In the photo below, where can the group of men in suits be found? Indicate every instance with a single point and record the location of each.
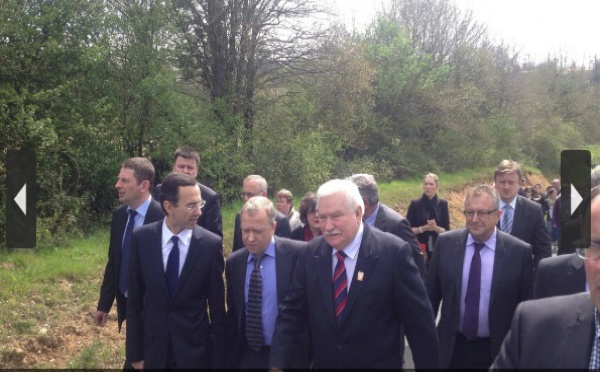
(358, 287)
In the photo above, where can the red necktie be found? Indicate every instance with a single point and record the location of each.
(340, 285)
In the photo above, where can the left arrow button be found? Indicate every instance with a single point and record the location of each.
(21, 199)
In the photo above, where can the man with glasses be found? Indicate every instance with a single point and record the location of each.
(255, 185)
(521, 218)
(176, 303)
(480, 275)
(560, 332)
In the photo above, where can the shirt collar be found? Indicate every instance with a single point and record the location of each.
(371, 219)
(142, 209)
(490, 243)
(352, 249)
(512, 203)
(270, 251)
(185, 235)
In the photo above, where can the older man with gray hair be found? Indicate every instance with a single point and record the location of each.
(353, 289)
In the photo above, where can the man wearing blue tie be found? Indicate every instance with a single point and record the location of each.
(133, 184)
(176, 270)
(521, 217)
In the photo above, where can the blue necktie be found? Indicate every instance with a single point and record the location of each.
(471, 316)
(507, 219)
(172, 273)
(125, 248)
(254, 325)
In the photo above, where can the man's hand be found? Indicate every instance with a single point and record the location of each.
(138, 365)
(100, 318)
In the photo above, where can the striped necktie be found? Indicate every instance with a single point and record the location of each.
(340, 285)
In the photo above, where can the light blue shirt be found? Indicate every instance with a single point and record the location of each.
(270, 305)
(487, 254)
(371, 219)
(352, 254)
(185, 237)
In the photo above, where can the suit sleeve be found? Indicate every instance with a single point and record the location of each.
(283, 229)
(528, 277)
(404, 231)
(237, 234)
(214, 220)
(445, 216)
(108, 288)
(542, 277)
(291, 321)
(508, 357)
(135, 297)
(216, 304)
(541, 239)
(432, 279)
(231, 321)
(417, 316)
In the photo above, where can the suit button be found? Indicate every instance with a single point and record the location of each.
(340, 347)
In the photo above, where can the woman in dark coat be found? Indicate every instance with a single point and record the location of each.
(308, 215)
(429, 215)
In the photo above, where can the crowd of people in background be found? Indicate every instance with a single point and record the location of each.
(342, 282)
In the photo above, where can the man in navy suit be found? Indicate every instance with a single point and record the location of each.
(187, 160)
(353, 289)
(479, 275)
(559, 276)
(522, 218)
(133, 184)
(175, 272)
(559, 332)
(278, 258)
(255, 185)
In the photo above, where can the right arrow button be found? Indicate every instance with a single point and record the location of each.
(576, 199)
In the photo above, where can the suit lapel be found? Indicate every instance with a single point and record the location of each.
(323, 263)
(458, 256)
(579, 337)
(190, 260)
(283, 266)
(365, 263)
(154, 252)
(499, 266)
(518, 216)
(380, 218)
(121, 222)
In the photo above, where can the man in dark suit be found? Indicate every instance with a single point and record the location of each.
(133, 184)
(480, 275)
(176, 271)
(522, 218)
(559, 332)
(277, 259)
(354, 287)
(385, 218)
(255, 185)
(559, 276)
(187, 160)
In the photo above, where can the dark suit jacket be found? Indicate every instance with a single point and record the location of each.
(282, 230)
(386, 293)
(286, 256)
(388, 220)
(550, 333)
(512, 282)
(211, 218)
(110, 284)
(559, 276)
(417, 216)
(530, 227)
(155, 321)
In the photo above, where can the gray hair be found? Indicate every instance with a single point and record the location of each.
(481, 189)
(595, 176)
(257, 203)
(260, 181)
(367, 186)
(350, 190)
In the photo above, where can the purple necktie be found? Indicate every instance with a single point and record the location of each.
(471, 317)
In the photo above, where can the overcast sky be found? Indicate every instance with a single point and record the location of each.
(535, 27)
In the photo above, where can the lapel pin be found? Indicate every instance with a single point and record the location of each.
(360, 276)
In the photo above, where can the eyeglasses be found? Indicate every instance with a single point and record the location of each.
(590, 253)
(471, 214)
(247, 194)
(194, 206)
